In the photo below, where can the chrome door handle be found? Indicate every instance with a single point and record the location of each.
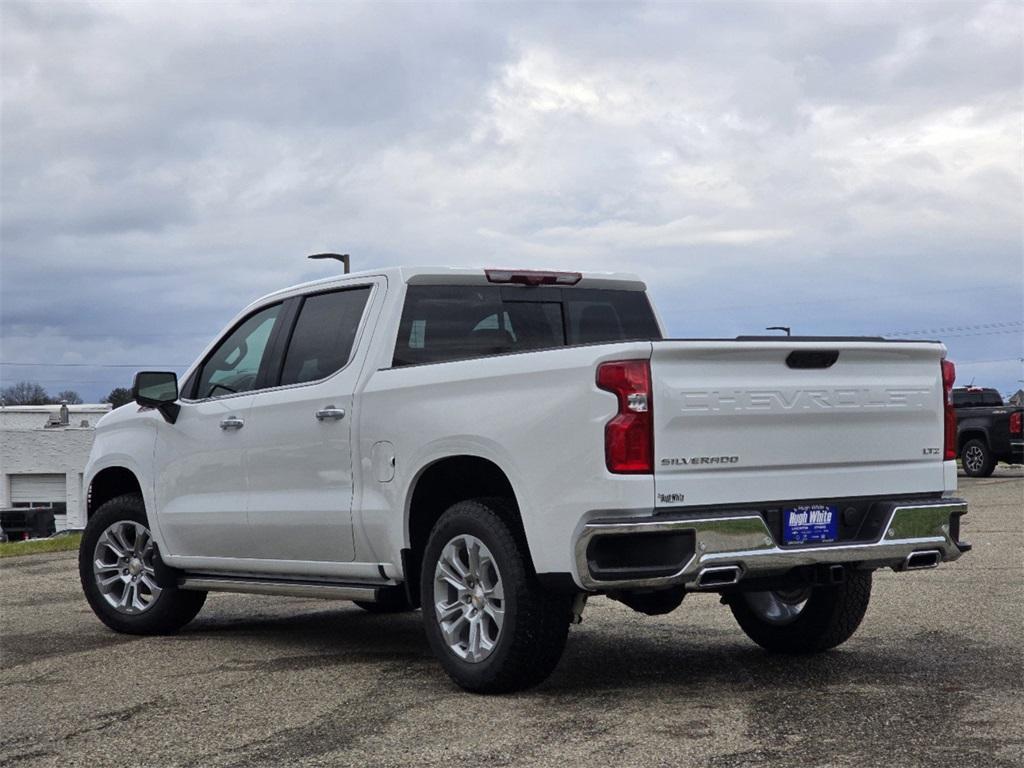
(330, 413)
(232, 422)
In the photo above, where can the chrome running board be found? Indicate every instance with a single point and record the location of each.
(318, 589)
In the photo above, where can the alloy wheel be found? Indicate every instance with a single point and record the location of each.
(974, 458)
(123, 567)
(469, 600)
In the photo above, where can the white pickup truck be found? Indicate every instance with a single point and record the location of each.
(496, 445)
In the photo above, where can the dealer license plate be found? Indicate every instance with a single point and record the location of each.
(810, 523)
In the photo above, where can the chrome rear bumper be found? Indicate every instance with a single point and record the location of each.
(740, 546)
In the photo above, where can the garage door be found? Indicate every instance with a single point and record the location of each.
(38, 488)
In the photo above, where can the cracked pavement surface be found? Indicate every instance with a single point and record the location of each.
(933, 678)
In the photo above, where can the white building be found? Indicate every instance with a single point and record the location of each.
(43, 450)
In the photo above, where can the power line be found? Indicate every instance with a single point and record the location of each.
(185, 365)
(846, 299)
(993, 360)
(113, 335)
(995, 328)
(64, 382)
(1015, 331)
(92, 365)
(1002, 325)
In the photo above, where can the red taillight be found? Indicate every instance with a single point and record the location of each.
(948, 377)
(629, 437)
(1015, 423)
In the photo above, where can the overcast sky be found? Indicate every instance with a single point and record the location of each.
(842, 168)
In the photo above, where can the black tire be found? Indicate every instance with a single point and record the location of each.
(829, 618)
(392, 601)
(536, 622)
(977, 459)
(170, 610)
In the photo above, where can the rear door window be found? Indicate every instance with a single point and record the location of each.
(325, 330)
(441, 323)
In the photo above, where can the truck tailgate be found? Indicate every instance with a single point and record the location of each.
(751, 421)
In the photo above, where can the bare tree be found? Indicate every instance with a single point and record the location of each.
(25, 393)
(68, 396)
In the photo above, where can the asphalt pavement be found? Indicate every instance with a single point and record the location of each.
(934, 678)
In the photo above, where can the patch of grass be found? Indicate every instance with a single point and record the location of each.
(35, 546)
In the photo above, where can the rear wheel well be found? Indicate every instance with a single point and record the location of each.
(108, 484)
(443, 484)
(969, 435)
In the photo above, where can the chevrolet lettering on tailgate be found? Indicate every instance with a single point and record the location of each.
(695, 401)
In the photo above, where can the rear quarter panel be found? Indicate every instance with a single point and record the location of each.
(538, 416)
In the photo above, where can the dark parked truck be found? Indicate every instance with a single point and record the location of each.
(17, 523)
(987, 430)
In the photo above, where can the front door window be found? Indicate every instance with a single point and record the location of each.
(234, 366)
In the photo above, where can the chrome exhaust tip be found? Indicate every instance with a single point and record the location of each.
(719, 576)
(918, 561)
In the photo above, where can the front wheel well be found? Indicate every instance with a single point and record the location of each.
(447, 482)
(110, 483)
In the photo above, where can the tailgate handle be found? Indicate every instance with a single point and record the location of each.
(812, 358)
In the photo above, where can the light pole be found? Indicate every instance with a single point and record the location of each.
(779, 328)
(344, 258)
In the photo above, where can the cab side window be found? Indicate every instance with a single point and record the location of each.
(325, 330)
(235, 364)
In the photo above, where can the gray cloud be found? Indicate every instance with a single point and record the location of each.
(843, 168)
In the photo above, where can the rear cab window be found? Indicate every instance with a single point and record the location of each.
(443, 323)
(976, 398)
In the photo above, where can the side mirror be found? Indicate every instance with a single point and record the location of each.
(157, 389)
